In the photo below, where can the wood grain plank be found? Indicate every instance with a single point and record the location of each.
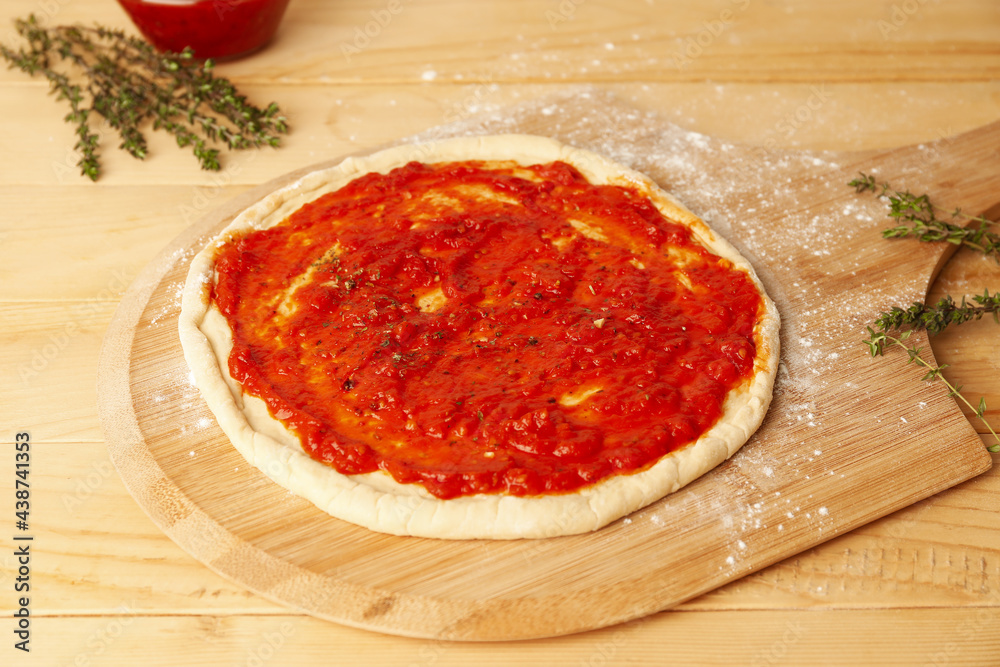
(329, 120)
(732, 40)
(942, 551)
(95, 548)
(526, 41)
(970, 351)
(86, 244)
(894, 638)
(48, 357)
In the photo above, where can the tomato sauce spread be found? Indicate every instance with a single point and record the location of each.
(486, 327)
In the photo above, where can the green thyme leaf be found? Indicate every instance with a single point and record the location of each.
(105, 73)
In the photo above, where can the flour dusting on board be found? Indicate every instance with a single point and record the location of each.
(741, 191)
(177, 392)
(734, 189)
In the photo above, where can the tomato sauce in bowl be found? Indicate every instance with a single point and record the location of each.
(216, 29)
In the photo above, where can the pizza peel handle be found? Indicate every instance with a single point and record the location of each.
(958, 172)
(967, 168)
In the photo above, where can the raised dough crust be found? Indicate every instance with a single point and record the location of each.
(375, 500)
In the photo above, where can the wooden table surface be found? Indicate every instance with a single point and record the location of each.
(921, 586)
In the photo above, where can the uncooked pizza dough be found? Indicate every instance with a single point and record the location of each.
(376, 500)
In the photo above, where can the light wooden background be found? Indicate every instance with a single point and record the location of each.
(919, 587)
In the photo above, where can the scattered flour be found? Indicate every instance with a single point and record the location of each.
(741, 193)
(796, 260)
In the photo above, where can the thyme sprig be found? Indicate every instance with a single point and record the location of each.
(878, 340)
(106, 73)
(923, 223)
(945, 312)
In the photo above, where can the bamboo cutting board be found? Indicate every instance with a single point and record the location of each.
(847, 439)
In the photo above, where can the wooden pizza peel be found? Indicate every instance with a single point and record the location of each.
(848, 438)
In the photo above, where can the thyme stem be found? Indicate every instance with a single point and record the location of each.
(937, 317)
(124, 80)
(925, 226)
(924, 223)
(877, 342)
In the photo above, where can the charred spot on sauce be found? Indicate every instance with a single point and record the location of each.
(507, 339)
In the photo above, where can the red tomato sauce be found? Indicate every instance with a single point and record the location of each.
(477, 394)
(212, 28)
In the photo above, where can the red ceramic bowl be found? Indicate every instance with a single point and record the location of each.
(212, 28)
